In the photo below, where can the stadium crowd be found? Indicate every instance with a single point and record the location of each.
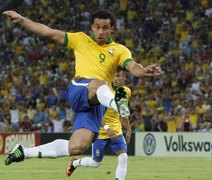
(177, 34)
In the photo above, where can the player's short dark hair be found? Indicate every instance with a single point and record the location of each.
(120, 69)
(103, 14)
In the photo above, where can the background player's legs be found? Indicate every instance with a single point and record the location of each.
(86, 162)
(53, 149)
(121, 169)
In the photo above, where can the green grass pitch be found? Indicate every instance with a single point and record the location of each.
(139, 168)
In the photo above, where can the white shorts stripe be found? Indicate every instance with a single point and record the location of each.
(79, 84)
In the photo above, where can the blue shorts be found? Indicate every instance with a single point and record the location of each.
(86, 116)
(100, 145)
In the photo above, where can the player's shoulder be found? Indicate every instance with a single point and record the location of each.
(77, 34)
(121, 49)
(73, 38)
(121, 46)
(128, 90)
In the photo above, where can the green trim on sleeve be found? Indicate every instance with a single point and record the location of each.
(125, 63)
(65, 43)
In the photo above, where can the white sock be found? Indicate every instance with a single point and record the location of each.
(86, 162)
(53, 149)
(121, 169)
(106, 97)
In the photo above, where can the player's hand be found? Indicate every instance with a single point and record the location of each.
(128, 136)
(112, 134)
(13, 16)
(152, 70)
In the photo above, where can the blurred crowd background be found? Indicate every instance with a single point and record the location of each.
(176, 34)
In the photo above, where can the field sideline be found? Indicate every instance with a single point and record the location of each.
(139, 168)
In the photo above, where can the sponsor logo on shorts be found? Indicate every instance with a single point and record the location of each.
(97, 152)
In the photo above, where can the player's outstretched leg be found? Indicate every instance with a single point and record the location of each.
(121, 102)
(16, 155)
(70, 168)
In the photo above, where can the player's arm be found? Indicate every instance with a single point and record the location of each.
(34, 27)
(138, 70)
(111, 133)
(126, 124)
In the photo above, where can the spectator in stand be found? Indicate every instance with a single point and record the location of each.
(52, 99)
(146, 115)
(53, 110)
(171, 122)
(14, 114)
(69, 113)
(30, 101)
(31, 112)
(159, 123)
(207, 127)
(58, 123)
(40, 116)
(185, 125)
(61, 110)
(6, 118)
(194, 117)
(22, 111)
(2, 125)
(26, 125)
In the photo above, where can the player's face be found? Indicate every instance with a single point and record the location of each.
(102, 30)
(119, 79)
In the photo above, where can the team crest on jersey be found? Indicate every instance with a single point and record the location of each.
(111, 51)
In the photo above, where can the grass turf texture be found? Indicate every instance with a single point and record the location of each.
(139, 168)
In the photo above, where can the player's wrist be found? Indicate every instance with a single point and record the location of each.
(20, 20)
(106, 127)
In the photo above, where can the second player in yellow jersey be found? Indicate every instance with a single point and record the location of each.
(112, 118)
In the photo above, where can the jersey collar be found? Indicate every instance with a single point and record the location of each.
(114, 88)
(108, 42)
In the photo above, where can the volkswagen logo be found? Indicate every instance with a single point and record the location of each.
(149, 144)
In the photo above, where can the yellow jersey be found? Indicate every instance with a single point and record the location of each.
(93, 60)
(171, 125)
(111, 118)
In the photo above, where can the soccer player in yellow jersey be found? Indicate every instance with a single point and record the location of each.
(96, 60)
(110, 134)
